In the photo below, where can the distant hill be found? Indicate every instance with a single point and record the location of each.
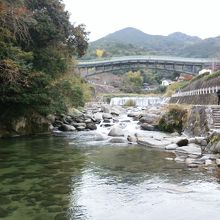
(131, 41)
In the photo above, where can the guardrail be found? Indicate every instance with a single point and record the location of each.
(201, 91)
(149, 58)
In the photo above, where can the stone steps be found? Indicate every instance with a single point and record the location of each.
(216, 117)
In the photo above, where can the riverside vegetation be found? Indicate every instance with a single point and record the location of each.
(37, 46)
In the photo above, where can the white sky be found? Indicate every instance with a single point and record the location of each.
(101, 17)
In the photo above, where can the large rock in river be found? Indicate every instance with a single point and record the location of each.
(116, 132)
(65, 127)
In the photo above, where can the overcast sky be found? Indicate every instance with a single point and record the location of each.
(101, 17)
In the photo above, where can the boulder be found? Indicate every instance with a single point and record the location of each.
(147, 127)
(106, 116)
(106, 121)
(74, 112)
(81, 128)
(107, 125)
(149, 118)
(116, 132)
(180, 159)
(182, 142)
(171, 147)
(89, 120)
(190, 149)
(132, 139)
(208, 162)
(217, 162)
(190, 160)
(97, 116)
(134, 114)
(79, 125)
(57, 123)
(106, 108)
(65, 127)
(51, 118)
(115, 111)
(192, 165)
(118, 140)
(91, 126)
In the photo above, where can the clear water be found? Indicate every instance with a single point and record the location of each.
(48, 178)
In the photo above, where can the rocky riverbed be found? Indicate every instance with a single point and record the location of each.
(122, 125)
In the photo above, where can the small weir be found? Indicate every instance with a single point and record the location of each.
(139, 101)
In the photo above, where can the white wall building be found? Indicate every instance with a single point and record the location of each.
(205, 71)
(166, 82)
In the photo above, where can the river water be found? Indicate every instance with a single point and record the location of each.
(65, 178)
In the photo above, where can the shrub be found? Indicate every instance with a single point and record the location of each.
(173, 120)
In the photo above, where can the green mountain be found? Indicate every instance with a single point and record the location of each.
(131, 41)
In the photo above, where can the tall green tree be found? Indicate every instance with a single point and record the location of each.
(37, 45)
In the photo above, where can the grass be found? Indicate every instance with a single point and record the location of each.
(171, 89)
(211, 76)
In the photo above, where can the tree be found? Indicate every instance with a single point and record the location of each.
(37, 45)
(133, 82)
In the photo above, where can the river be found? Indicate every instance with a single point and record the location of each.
(65, 178)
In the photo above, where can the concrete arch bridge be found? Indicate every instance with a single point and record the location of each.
(173, 64)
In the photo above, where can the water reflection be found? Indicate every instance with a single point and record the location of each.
(47, 178)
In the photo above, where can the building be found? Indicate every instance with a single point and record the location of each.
(208, 71)
(166, 82)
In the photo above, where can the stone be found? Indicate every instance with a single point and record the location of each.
(190, 160)
(180, 159)
(97, 116)
(131, 139)
(79, 125)
(65, 127)
(192, 165)
(51, 118)
(217, 162)
(106, 116)
(81, 128)
(106, 108)
(199, 140)
(89, 120)
(192, 140)
(190, 149)
(74, 112)
(91, 126)
(106, 121)
(205, 157)
(116, 132)
(182, 142)
(150, 118)
(108, 125)
(204, 143)
(147, 127)
(134, 114)
(208, 162)
(125, 121)
(57, 123)
(115, 111)
(151, 142)
(171, 147)
(118, 140)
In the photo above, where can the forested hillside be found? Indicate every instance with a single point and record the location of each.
(37, 45)
(131, 41)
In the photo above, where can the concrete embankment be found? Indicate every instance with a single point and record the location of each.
(203, 99)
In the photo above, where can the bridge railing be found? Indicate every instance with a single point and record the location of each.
(208, 90)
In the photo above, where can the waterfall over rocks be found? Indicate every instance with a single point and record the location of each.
(139, 101)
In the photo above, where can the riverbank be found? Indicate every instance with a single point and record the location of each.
(190, 139)
(190, 134)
